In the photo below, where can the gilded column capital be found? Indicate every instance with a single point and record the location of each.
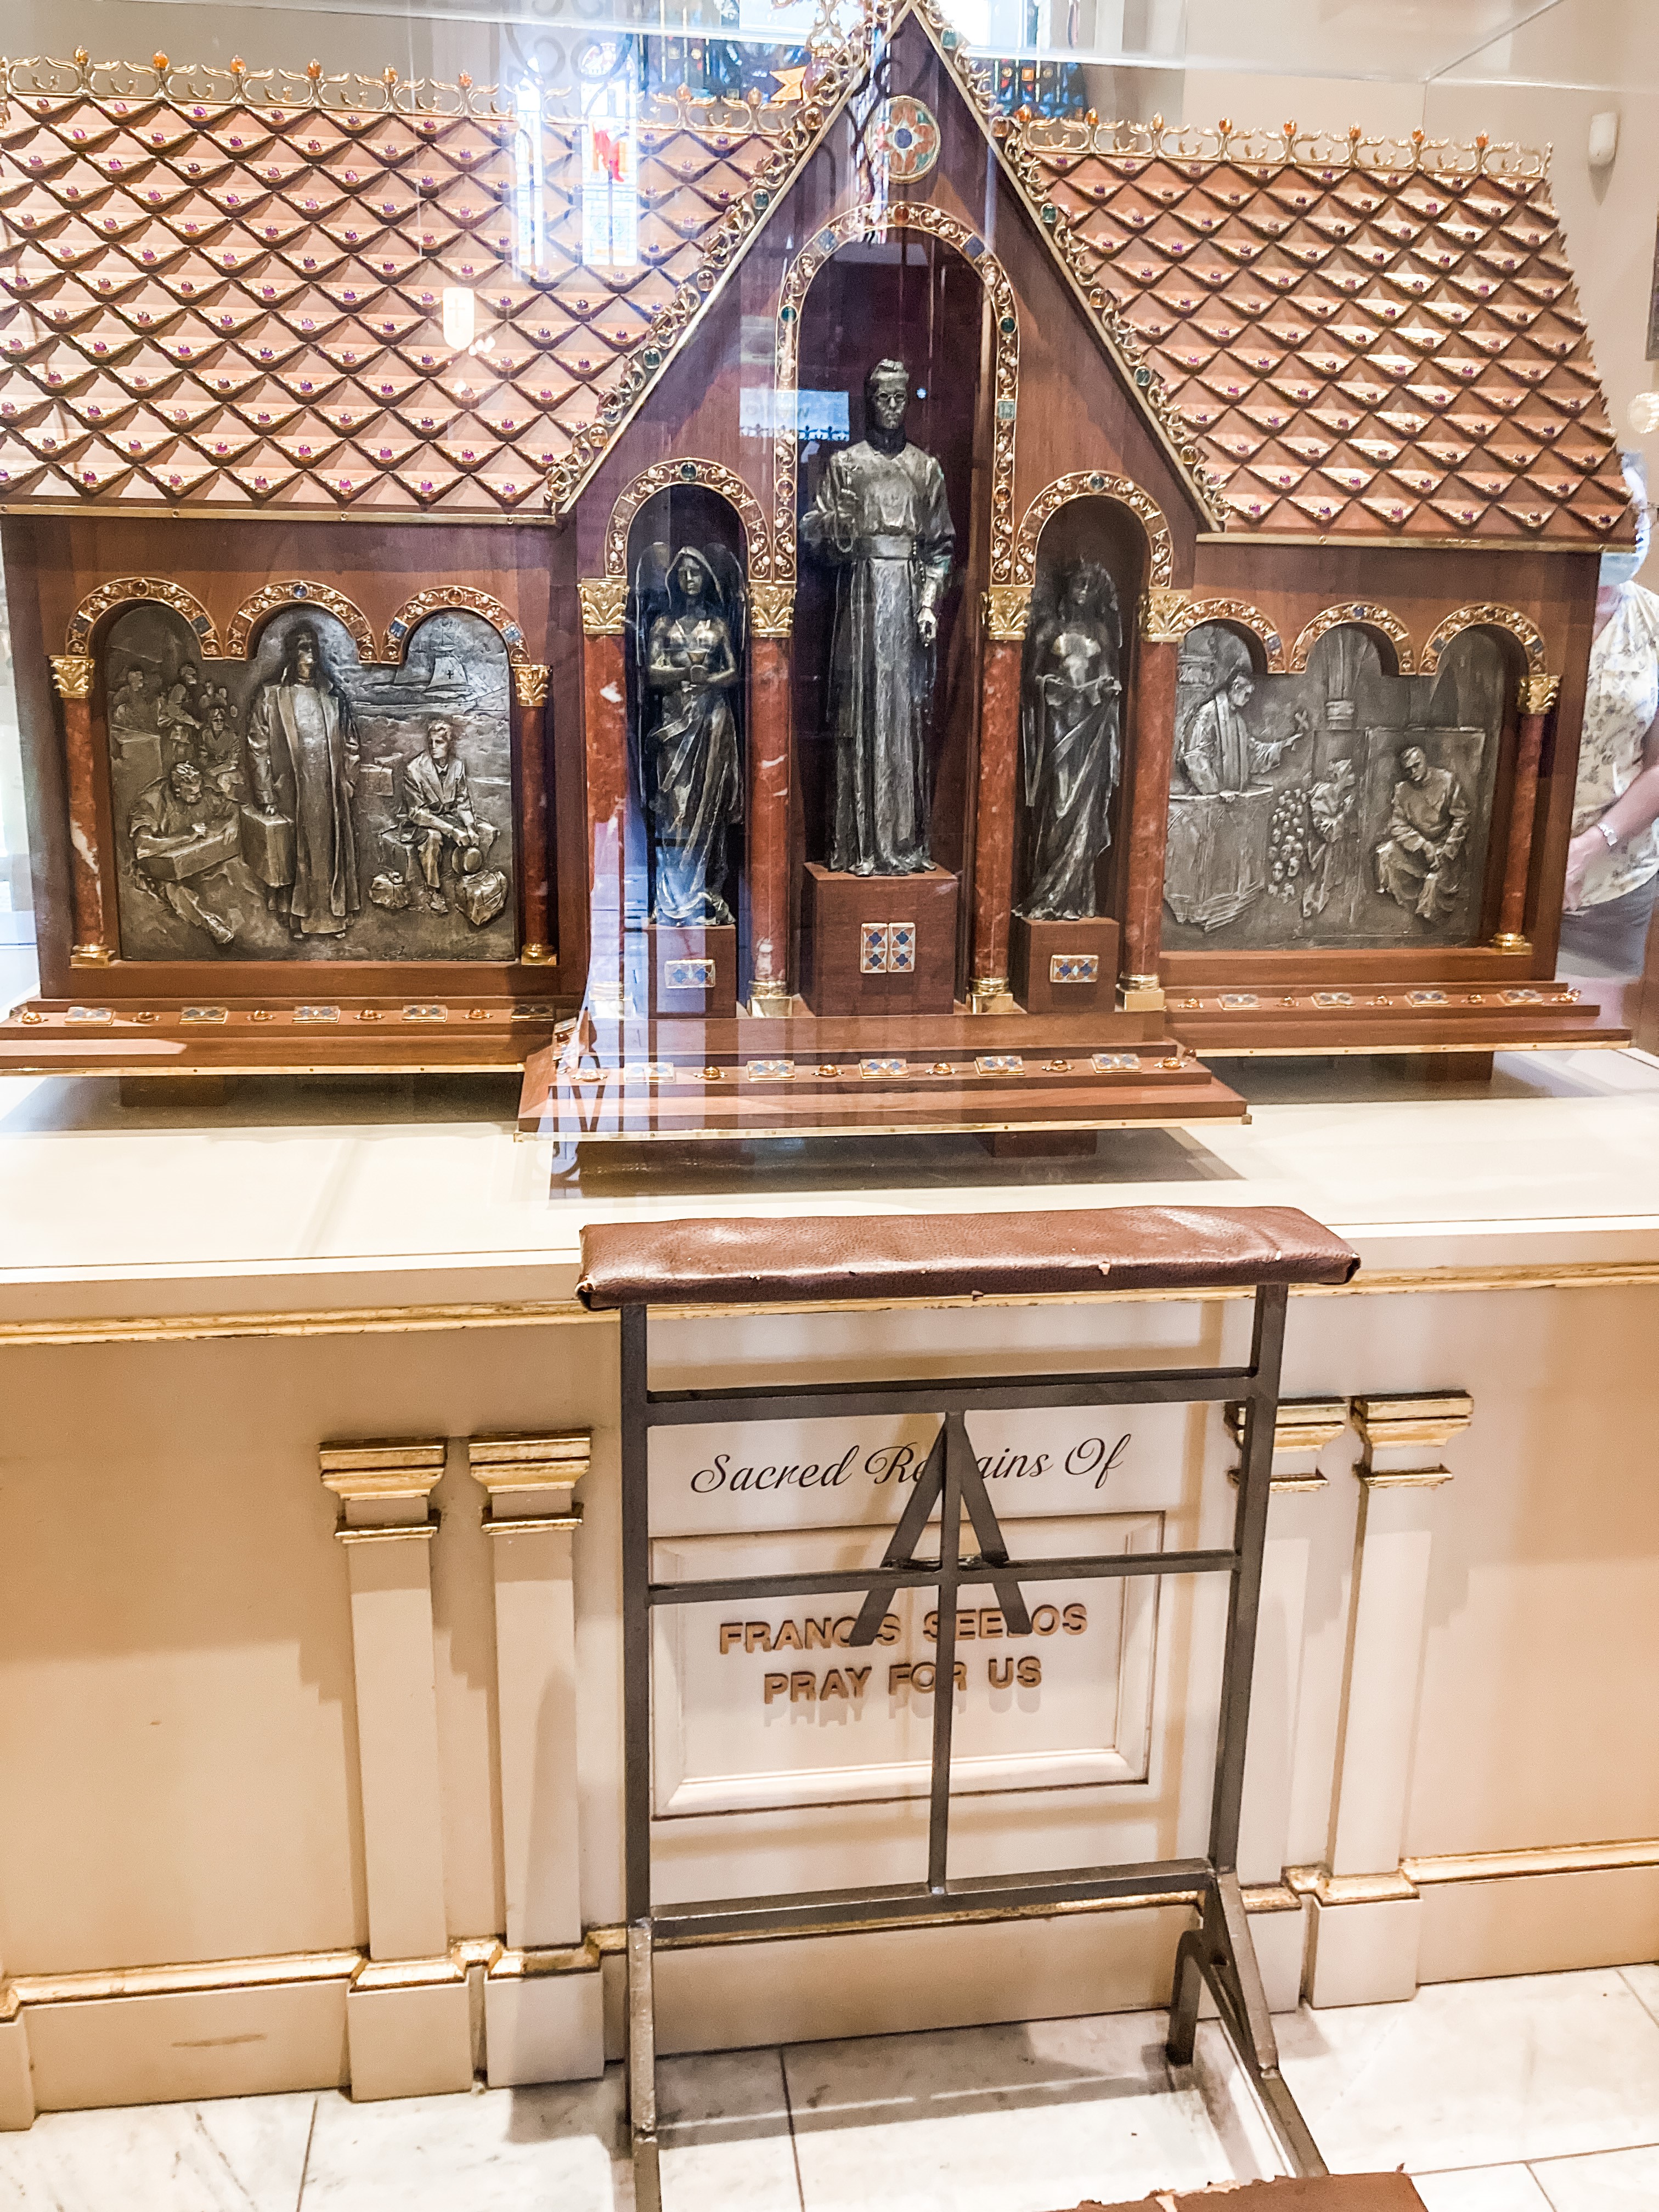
(383, 1485)
(529, 1479)
(1538, 694)
(772, 610)
(530, 683)
(1163, 614)
(71, 675)
(1007, 612)
(604, 605)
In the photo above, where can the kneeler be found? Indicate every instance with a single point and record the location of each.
(828, 1262)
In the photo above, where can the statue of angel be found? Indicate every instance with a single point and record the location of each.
(1069, 740)
(689, 622)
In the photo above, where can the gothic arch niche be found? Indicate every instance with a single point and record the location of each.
(911, 295)
(678, 517)
(1101, 531)
(1346, 803)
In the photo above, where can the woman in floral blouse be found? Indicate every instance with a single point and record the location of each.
(1613, 862)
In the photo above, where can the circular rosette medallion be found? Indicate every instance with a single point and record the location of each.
(907, 139)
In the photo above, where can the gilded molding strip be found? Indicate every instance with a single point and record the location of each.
(133, 590)
(1485, 614)
(1242, 616)
(298, 592)
(543, 1313)
(460, 598)
(668, 475)
(1286, 147)
(1354, 614)
(1096, 484)
(871, 219)
(287, 1970)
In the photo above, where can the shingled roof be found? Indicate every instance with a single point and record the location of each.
(1372, 337)
(224, 292)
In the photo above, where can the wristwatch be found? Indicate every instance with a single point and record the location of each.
(1614, 840)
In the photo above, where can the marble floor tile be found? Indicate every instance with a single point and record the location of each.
(1614, 2181)
(1478, 2073)
(1010, 2119)
(558, 2149)
(1644, 1980)
(1482, 2188)
(232, 2155)
(723, 2127)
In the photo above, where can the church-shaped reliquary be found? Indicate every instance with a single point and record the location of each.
(857, 607)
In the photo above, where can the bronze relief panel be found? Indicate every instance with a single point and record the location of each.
(1342, 806)
(307, 804)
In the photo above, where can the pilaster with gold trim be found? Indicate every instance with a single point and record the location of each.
(538, 2028)
(1006, 609)
(530, 680)
(1365, 1937)
(408, 2022)
(1538, 697)
(72, 679)
(1150, 757)
(771, 758)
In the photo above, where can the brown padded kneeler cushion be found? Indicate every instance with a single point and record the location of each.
(836, 1257)
(1332, 2193)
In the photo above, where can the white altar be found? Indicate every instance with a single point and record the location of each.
(285, 1810)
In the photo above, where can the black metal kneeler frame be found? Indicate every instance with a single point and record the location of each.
(1218, 1953)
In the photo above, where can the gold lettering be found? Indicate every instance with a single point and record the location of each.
(757, 1636)
(930, 1626)
(967, 1624)
(857, 1676)
(786, 1639)
(889, 1632)
(1076, 1619)
(731, 1633)
(848, 1624)
(775, 1686)
(1001, 1672)
(818, 1634)
(897, 1679)
(803, 1685)
(1031, 1671)
(991, 1622)
(1046, 1619)
(833, 1686)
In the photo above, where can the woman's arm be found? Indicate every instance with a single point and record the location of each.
(1635, 806)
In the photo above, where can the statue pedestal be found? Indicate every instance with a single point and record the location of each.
(687, 971)
(1064, 967)
(878, 944)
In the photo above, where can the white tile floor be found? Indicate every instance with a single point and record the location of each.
(1535, 2095)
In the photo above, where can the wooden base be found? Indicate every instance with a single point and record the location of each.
(1063, 967)
(347, 1036)
(801, 1076)
(1457, 1019)
(878, 944)
(691, 972)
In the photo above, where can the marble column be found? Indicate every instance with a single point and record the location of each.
(1538, 697)
(771, 750)
(408, 2023)
(72, 674)
(1365, 1909)
(1152, 754)
(530, 692)
(547, 2025)
(1278, 1924)
(605, 718)
(1007, 610)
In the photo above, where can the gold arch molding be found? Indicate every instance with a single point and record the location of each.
(1487, 616)
(135, 590)
(453, 599)
(1355, 614)
(870, 220)
(667, 476)
(1095, 483)
(298, 592)
(1238, 614)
